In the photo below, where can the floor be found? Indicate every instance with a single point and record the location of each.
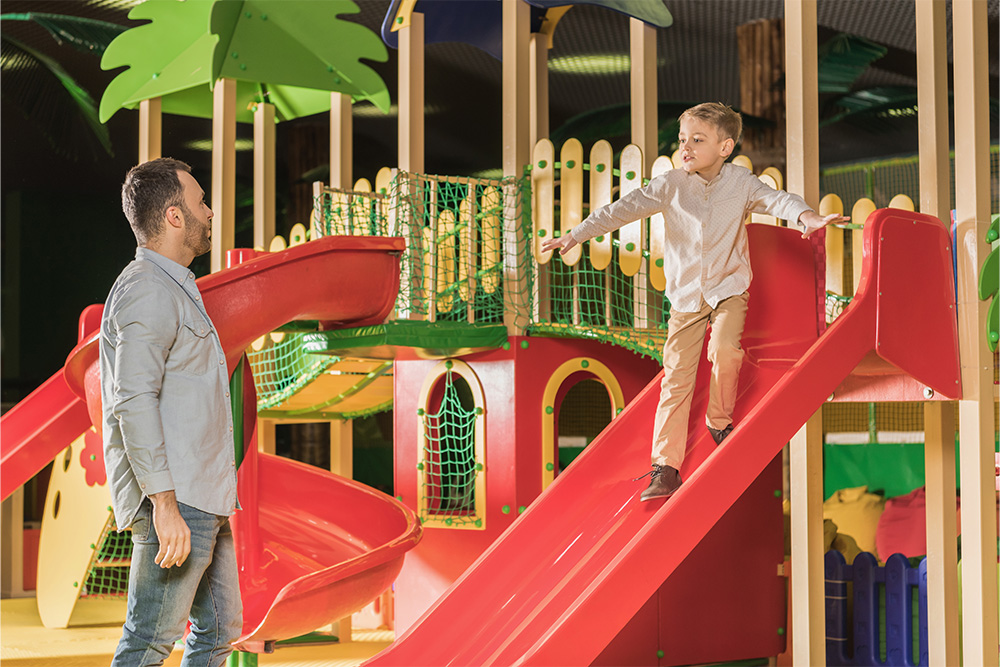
(90, 642)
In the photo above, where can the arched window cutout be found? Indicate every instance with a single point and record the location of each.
(451, 455)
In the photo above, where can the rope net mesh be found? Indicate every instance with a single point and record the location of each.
(283, 366)
(449, 459)
(107, 576)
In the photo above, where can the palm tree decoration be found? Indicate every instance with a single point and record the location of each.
(45, 93)
(290, 53)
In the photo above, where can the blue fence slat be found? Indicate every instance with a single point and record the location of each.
(836, 576)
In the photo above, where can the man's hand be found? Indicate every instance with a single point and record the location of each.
(171, 530)
(812, 221)
(564, 243)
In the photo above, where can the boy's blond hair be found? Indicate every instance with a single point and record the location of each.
(726, 119)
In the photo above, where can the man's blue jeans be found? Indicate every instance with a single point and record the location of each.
(205, 590)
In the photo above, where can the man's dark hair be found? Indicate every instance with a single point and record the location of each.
(149, 190)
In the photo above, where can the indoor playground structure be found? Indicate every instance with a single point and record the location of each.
(508, 538)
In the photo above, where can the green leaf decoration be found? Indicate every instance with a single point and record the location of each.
(83, 34)
(653, 12)
(842, 59)
(54, 102)
(989, 284)
(292, 53)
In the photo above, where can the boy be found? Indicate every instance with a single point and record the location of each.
(707, 267)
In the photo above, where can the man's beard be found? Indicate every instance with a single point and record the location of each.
(197, 238)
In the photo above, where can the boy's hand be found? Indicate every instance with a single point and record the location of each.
(811, 221)
(564, 243)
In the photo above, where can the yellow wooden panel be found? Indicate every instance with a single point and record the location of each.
(859, 216)
(571, 194)
(901, 201)
(743, 161)
(763, 218)
(277, 244)
(601, 158)
(76, 510)
(466, 251)
(363, 185)
(492, 225)
(832, 203)
(657, 231)
(779, 180)
(630, 236)
(428, 270)
(446, 259)
(543, 198)
(383, 179)
(297, 235)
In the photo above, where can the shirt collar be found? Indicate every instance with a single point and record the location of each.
(173, 269)
(705, 181)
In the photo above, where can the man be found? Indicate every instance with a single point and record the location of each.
(168, 429)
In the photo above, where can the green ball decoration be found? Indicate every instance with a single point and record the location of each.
(570, 164)
(618, 411)
(235, 54)
(420, 412)
(524, 345)
(777, 493)
(420, 466)
(521, 509)
(447, 522)
(600, 239)
(549, 409)
(399, 20)
(93, 457)
(550, 467)
(248, 15)
(541, 233)
(505, 509)
(630, 247)
(479, 410)
(600, 167)
(781, 631)
(659, 263)
(448, 364)
(584, 364)
(263, 17)
(76, 584)
(629, 175)
(399, 498)
(506, 346)
(479, 523)
(243, 66)
(660, 653)
(479, 467)
(542, 164)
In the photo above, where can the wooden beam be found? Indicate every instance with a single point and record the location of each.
(516, 30)
(976, 427)
(539, 89)
(150, 130)
(642, 80)
(342, 447)
(263, 175)
(939, 416)
(411, 95)
(802, 100)
(223, 171)
(806, 499)
(341, 141)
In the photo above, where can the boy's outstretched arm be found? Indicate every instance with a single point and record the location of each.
(811, 221)
(564, 243)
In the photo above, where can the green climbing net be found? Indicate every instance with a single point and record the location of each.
(449, 461)
(107, 576)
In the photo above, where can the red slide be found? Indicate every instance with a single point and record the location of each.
(303, 563)
(559, 585)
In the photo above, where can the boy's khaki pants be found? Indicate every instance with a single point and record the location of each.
(681, 352)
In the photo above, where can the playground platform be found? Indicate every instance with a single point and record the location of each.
(91, 642)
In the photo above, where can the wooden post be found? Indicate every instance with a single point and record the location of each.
(806, 455)
(341, 141)
(538, 104)
(642, 80)
(806, 497)
(223, 171)
(516, 113)
(263, 175)
(266, 435)
(342, 447)
(150, 130)
(762, 65)
(12, 558)
(411, 95)
(939, 416)
(976, 428)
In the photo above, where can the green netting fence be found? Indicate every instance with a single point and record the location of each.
(107, 575)
(450, 460)
(283, 366)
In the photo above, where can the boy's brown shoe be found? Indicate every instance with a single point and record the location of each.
(720, 434)
(664, 481)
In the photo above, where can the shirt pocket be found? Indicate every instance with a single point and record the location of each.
(193, 351)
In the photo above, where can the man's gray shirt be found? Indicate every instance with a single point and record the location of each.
(168, 424)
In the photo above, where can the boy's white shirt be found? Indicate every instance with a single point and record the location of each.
(706, 251)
